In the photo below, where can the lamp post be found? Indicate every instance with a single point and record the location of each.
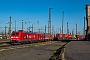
(22, 24)
(62, 21)
(15, 25)
(67, 27)
(72, 31)
(5, 31)
(60, 30)
(38, 26)
(10, 23)
(76, 28)
(32, 27)
(45, 29)
(29, 28)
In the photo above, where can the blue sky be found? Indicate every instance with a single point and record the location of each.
(37, 10)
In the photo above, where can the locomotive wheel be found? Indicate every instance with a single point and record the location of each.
(12, 43)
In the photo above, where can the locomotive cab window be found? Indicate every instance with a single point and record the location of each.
(14, 34)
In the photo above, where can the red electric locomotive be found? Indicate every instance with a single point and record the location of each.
(28, 37)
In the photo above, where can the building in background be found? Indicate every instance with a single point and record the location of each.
(88, 21)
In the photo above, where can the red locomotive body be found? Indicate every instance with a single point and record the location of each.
(27, 37)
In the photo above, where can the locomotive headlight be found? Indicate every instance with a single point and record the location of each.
(11, 37)
(16, 37)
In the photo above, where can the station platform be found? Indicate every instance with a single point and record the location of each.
(77, 50)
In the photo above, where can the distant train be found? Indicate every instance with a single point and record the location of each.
(28, 37)
(68, 36)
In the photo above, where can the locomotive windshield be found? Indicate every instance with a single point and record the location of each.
(14, 34)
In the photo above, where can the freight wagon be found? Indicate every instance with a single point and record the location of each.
(63, 36)
(68, 36)
(80, 37)
(28, 37)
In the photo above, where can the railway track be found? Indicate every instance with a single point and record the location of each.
(4, 43)
(7, 46)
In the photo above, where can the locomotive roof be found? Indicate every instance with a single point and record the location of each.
(28, 32)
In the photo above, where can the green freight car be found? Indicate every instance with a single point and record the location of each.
(73, 36)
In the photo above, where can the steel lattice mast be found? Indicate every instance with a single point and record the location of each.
(49, 22)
